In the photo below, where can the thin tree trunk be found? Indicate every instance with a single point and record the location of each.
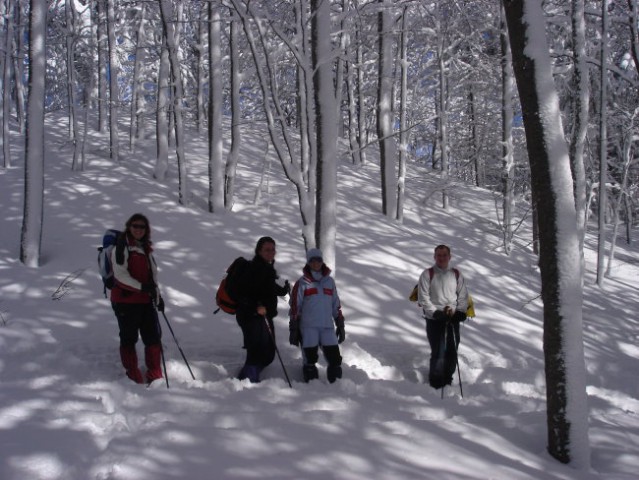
(114, 96)
(33, 216)
(403, 121)
(580, 100)
(18, 68)
(102, 44)
(508, 158)
(6, 83)
(603, 146)
(162, 114)
(236, 116)
(136, 101)
(216, 159)
(176, 77)
(387, 146)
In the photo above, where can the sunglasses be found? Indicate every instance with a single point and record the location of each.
(139, 226)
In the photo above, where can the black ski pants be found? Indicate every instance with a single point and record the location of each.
(443, 338)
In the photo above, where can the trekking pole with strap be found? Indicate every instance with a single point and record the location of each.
(277, 350)
(461, 390)
(157, 325)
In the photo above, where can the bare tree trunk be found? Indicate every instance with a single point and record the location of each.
(403, 121)
(69, 39)
(508, 158)
(33, 212)
(325, 112)
(18, 68)
(603, 146)
(74, 128)
(362, 136)
(216, 159)
(387, 144)
(176, 78)
(580, 101)
(442, 110)
(559, 259)
(114, 96)
(200, 75)
(236, 116)
(162, 114)
(7, 66)
(351, 83)
(102, 43)
(136, 102)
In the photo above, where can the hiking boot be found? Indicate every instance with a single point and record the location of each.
(252, 372)
(333, 372)
(309, 373)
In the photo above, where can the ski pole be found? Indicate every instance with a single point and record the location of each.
(270, 332)
(159, 332)
(178, 345)
(461, 391)
(166, 375)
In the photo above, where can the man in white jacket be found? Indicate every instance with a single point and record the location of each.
(443, 296)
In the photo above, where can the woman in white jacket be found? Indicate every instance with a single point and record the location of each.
(315, 312)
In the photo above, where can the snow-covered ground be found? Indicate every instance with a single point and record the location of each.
(68, 412)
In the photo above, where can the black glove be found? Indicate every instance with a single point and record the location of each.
(294, 332)
(458, 316)
(148, 287)
(339, 331)
(160, 305)
(440, 316)
(287, 287)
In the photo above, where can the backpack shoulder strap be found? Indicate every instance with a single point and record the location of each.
(431, 273)
(456, 273)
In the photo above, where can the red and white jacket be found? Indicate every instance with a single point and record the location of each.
(139, 267)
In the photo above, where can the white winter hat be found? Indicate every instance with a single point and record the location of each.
(314, 253)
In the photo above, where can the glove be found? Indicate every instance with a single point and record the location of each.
(148, 287)
(458, 316)
(440, 316)
(160, 305)
(339, 331)
(287, 287)
(294, 332)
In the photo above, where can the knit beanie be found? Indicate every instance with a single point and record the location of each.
(313, 253)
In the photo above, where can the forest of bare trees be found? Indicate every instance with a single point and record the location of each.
(400, 82)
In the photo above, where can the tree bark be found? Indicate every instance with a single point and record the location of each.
(33, 212)
(559, 260)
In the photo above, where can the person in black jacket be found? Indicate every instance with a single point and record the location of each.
(257, 307)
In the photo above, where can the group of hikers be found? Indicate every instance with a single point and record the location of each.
(315, 314)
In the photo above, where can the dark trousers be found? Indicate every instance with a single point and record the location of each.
(134, 318)
(260, 346)
(443, 338)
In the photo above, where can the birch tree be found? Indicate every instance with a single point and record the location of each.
(559, 259)
(33, 211)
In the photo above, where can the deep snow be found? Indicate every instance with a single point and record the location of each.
(68, 412)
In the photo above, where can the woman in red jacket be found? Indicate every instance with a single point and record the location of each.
(134, 298)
